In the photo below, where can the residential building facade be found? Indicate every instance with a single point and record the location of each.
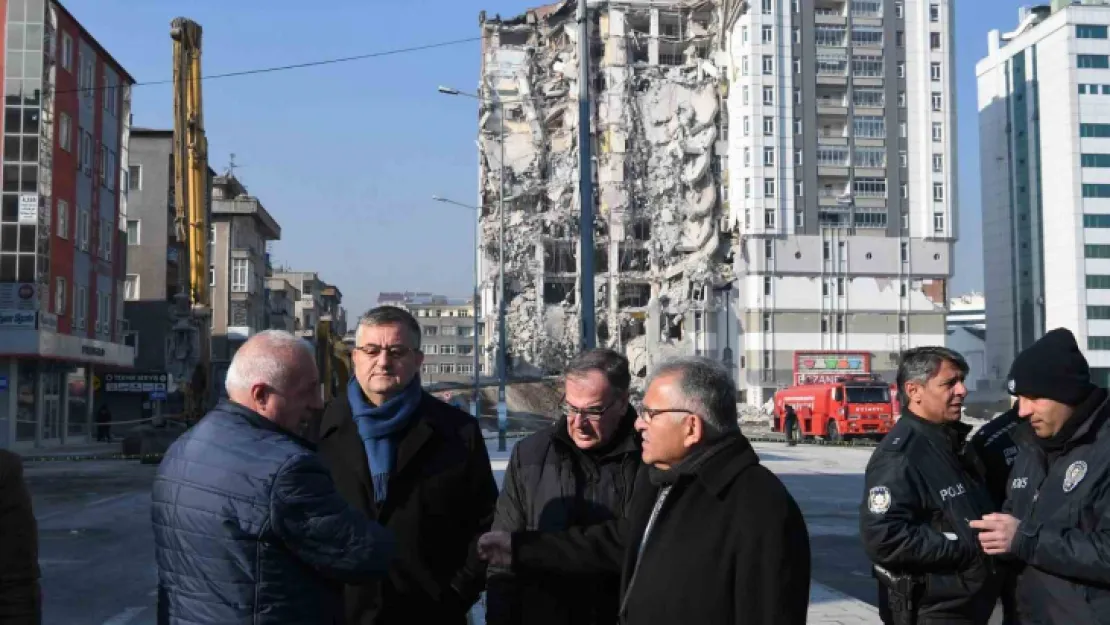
(447, 326)
(307, 308)
(1044, 132)
(66, 128)
(967, 334)
(241, 227)
(283, 299)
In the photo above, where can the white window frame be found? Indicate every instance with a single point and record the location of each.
(768, 65)
(934, 71)
(65, 132)
(67, 52)
(83, 229)
(767, 34)
(138, 232)
(938, 191)
(63, 219)
(60, 295)
(240, 275)
(768, 157)
(769, 96)
(938, 163)
(131, 287)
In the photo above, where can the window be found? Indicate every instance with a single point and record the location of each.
(135, 177)
(768, 187)
(797, 126)
(59, 295)
(1098, 343)
(797, 35)
(824, 319)
(744, 95)
(768, 126)
(67, 52)
(900, 38)
(1094, 160)
(934, 41)
(826, 251)
(744, 66)
(901, 69)
(767, 6)
(768, 34)
(240, 275)
(1094, 61)
(65, 132)
(768, 64)
(768, 157)
(767, 285)
(83, 230)
(938, 132)
(747, 126)
(938, 191)
(799, 219)
(797, 96)
(899, 10)
(747, 187)
(63, 219)
(904, 251)
(798, 158)
(744, 34)
(869, 187)
(938, 222)
(903, 159)
(1094, 131)
(905, 189)
(1098, 312)
(211, 275)
(938, 163)
(81, 306)
(768, 249)
(1096, 251)
(902, 99)
(133, 232)
(1096, 190)
(869, 126)
(934, 13)
(106, 236)
(1098, 282)
(110, 170)
(769, 95)
(870, 157)
(937, 101)
(903, 130)
(131, 287)
(934, 71)
(747, 157)
(1087, 31)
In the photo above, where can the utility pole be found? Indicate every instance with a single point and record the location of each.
(588, 325)
(502, 373)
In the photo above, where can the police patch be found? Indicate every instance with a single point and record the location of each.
(1074, 475)
(878, 500)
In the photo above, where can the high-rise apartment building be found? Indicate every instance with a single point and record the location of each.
(773, 177)
(842, 179)
(66, 123)
(1044, 129)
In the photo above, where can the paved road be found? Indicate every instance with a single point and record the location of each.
(97, 548)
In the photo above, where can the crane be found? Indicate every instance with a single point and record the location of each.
(189, 353)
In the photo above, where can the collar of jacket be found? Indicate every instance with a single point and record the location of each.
(718, 464)
(256, 420)
(953, 434)
(338, 412)
(1085, 422)
(625, 440)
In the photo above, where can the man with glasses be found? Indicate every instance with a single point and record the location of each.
(579, 471)
(712, 537)
(416, 465)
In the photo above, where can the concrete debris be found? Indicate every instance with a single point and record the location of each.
(655, 101)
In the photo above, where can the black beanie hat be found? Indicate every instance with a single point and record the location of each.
(1052, 368)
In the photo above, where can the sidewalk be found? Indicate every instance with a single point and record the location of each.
(829, 607)
(92, 451)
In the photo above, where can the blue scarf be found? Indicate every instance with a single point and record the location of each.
(378, 427)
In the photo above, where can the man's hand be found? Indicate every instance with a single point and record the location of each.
(496, 548)
(996, 533)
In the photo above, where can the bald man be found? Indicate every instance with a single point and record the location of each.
(248, 525)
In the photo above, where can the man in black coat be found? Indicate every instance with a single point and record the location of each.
(713, 537)
(922, 487)
(20, 597)
(416, 465)
(577, 472)
(1056, 521)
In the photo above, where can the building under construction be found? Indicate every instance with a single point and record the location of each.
(662, 245)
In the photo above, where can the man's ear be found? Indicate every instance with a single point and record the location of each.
(693, 430)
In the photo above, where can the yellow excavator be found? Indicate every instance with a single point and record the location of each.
(189, 359)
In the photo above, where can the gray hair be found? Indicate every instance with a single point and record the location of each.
(610, 363)
(263, 359)
(390, 315)
(921, 364)
(708, 390)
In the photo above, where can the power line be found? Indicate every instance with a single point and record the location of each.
(284, 68)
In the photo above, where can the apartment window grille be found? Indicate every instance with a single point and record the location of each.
(870, 66)
(832, 156)
(1093, 61)
(870, 157)
(869, 127)
(867, 8)
(863, 96)
(869, 187)
(867, 36)
(831, 36)
(831, 65)
(870, 217)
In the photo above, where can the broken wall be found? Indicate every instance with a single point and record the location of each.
(660, 246)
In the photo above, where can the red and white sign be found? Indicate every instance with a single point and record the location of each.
(822, 367)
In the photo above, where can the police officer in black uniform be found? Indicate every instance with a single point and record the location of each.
(1056, 521)
(923, 487)
(996, 444)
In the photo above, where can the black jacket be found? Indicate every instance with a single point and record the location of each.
(921, 484)
(20, 598)
(440, 499)
(996, 444)
(551, 485)
(1064, 536)
(729, 546)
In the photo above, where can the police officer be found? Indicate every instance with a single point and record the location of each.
(996, 444)
(923, 486)
(1056, 522)
(790, 425)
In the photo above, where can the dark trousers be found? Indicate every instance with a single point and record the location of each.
(790, 428)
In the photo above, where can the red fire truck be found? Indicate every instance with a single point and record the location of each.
(836, 396)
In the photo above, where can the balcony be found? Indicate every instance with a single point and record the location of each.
(830, 12)
(832, 102)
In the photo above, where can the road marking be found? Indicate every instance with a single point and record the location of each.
(95, 502)
(125, 617)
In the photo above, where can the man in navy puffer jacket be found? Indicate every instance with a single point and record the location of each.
(248, 525)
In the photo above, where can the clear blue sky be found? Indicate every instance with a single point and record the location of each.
(346, 157)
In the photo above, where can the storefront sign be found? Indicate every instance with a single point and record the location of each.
(48, 321)
(826, 367)
(18, 296)
(65, 347)
(149, 382)
(29, 208)
(17, 319)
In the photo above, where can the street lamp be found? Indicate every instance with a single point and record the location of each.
(477, 364)
(502, 407)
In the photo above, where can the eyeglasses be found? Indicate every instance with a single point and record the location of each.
(648, 414)
(395, 352)
(593, 414)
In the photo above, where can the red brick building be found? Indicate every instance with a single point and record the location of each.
(65, 130)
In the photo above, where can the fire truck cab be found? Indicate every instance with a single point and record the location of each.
(853, 406)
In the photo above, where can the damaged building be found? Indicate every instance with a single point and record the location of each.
(662, 245)
(771, 177)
